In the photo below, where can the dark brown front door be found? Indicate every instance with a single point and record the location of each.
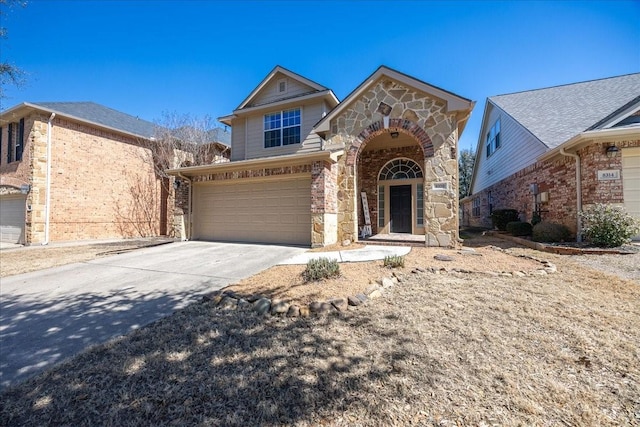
(400, 208)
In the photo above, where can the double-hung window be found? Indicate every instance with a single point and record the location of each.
(282, 128)
(493, 138)
(476, 206)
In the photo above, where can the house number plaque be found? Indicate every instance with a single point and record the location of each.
(608, 175)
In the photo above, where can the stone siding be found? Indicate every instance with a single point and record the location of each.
(422, 117)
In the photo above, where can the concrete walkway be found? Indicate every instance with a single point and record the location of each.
(368, 253)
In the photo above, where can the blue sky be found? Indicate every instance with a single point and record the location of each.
(204, 57)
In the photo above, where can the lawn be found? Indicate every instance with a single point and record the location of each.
(437, 349)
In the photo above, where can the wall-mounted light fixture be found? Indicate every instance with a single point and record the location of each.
(25, 188)
(176, 184)
(612, 151)
(394, 135)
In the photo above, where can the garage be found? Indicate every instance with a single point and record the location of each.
(631, 181)
(12, 218)
(265, 211)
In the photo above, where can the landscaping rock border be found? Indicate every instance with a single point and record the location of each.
(264, 306)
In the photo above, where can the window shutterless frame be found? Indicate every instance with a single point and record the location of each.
(282, 128)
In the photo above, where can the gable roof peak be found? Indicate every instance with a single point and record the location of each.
(316, 87)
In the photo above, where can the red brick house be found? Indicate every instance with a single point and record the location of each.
(557, 151)
(308, 169)
(76, 171)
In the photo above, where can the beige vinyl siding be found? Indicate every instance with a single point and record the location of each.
(631, 181)
(518, 149)
(270, 92)
(267, 211)
(237, 139)
(310, 115)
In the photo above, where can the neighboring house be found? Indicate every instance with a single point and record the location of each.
(556, 151)
(97, 164)
(301, 160)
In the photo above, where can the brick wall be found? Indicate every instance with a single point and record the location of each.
(558, 179)
(102, 184)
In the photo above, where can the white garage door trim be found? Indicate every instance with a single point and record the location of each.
(12, 210)
(631, 181)
(272, 210)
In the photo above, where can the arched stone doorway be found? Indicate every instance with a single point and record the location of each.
(390, 171)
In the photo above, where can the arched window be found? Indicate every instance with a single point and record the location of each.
(400, 169)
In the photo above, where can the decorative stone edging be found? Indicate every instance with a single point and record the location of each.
(231, 300)
(559, 250)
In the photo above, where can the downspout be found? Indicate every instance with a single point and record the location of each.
(188, 230)
(47, 206)
(578, 193)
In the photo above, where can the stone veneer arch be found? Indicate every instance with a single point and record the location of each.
(395, 125)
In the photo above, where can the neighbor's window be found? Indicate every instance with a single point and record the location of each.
(20, 141)
(282, 128)
(476, 206)
(10, 143)
(493, 138)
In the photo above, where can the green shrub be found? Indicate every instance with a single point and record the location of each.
(321, 268)
(394, 261)
(536, 218)
(608, 226)
(550, 232)
(518, 228)
(501, 217)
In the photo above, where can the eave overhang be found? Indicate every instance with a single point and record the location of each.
(264, 162)
(27, 106)
(585, 138)
(327, 95)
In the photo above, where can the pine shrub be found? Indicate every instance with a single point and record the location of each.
(321, 268)
(550, 232)
(501, 217)
(608, 226)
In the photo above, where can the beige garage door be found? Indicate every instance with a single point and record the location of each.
(631, 181)
(276, 211)
(12, 218)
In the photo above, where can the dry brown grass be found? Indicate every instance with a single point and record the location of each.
(455, 349)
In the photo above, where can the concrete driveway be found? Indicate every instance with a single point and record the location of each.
(49, 315)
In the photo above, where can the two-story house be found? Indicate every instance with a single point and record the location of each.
(307, 169)
(556, 151)
(79, 171)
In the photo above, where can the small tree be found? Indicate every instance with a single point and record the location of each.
(9, 73)
(608, 226)
(184, 140)
(465, 171)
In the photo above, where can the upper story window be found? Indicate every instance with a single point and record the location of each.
(15, 141)
(493, 138)
(282, 128)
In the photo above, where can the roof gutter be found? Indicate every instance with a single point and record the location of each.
(47, 206)
(592, 135)
(578, 193)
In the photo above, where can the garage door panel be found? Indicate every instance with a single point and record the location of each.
(12, 218)
(631, 181)
(275, 211)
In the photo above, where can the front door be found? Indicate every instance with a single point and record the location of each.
(400, 208)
